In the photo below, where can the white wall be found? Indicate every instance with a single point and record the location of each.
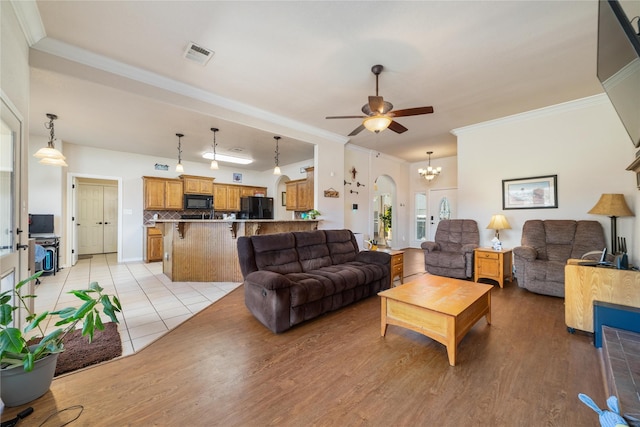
(582, 142)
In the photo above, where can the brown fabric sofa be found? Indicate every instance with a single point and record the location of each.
(546, 247)
(451, 254)
(293, 277)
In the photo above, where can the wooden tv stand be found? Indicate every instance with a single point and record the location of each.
(583, 285)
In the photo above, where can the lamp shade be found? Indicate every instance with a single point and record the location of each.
(377, 123)
(499, 222)
(611, 205)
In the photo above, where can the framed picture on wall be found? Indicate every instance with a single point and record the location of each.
(237, 177)
(539, 192)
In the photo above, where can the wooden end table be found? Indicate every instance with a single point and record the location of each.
(441, 308)
(397, 266)
(492, 264)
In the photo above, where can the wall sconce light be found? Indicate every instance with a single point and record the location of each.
(276, 170)
(179, 167)
(49, 155)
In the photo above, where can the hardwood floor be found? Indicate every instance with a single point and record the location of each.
(222, 367)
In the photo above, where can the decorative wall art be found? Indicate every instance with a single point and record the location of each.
(237, 177)
(331, 193)
(539, 192)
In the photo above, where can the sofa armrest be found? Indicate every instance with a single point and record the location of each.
(468, 248)
(268, 280)
(528, 253)
(374, 257)
(430, 246)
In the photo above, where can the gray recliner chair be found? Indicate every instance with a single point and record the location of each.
(451, 254)
(546, 247)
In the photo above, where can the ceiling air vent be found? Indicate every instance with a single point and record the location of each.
(198, 54)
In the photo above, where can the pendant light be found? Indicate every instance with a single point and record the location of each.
(49, 155)
(214, 162)
(430, 173)
(179, 167)
(276, 170)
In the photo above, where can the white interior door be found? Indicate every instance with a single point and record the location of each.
(90, 219)
(13, 234)
(110, 211)
(443, 204)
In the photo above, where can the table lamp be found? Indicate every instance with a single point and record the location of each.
(498, 222)
(613, 206)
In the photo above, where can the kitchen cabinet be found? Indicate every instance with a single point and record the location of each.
(226, 197)
(300, 193)
(197, 184)
(154, 245)
(162, 194)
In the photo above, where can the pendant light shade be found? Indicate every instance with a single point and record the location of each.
(276, 170)
(49, 155)
(214, 161)
(377, 123)
(179, 167)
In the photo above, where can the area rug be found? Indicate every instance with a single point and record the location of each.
(78, 353)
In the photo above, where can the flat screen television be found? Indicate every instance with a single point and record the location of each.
(619, 64)
(40, 224)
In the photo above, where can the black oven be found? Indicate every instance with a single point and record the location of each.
(198, 201)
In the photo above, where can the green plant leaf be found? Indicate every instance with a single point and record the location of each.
(11, 340)
(65, 312)
(87, 326)
(82, 295)
(36, 321)
(6, 316)
(28, 362)
(29, 279)
(95, 287)
(98, 322)
(84, 309)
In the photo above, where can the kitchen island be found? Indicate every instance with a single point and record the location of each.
(206, 250)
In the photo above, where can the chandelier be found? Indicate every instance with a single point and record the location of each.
(430, 173)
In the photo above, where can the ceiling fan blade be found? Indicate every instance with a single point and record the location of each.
(357, 130)
(345, 117)
(412, 112)
(376, 104)
(397, 127)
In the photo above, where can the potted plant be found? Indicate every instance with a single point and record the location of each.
(23, 365)
(386, 221)
(313, 214)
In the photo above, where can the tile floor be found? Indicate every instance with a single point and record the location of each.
(152, 304)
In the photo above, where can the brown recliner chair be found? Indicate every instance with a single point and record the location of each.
(546, 247)
(451, 254)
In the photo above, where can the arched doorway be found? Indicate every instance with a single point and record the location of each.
(384, 198)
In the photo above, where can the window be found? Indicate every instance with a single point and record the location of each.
(421, 216)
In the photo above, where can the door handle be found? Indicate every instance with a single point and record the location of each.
(99, 222)
(107, 223)
(23, 247)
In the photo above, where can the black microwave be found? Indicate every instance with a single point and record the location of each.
(198, 201)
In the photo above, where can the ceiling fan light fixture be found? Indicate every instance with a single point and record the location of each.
(377, 123)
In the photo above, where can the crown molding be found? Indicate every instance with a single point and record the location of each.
(29, 19)
(540, 112)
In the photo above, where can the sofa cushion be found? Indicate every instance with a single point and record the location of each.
(342, 246)
(276, 252)
(446, 259)
(313, 251)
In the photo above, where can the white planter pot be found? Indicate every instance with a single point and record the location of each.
(20, 387)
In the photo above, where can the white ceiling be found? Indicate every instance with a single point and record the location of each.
(115, 75)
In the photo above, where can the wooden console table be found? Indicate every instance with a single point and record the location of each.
(583, 285)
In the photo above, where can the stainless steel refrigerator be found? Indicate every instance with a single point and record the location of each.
(256, 207)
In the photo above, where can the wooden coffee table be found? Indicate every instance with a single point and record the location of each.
(441, 308)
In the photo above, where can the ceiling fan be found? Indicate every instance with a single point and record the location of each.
(378, 112)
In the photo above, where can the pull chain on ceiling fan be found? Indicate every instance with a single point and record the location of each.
(379, 114)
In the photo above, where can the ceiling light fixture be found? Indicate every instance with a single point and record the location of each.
(276, 170)
(377, 123)
(430, 173)
(179, 167)
(49, 155)
(214, 161)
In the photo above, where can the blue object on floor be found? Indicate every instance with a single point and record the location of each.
(610, 418)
